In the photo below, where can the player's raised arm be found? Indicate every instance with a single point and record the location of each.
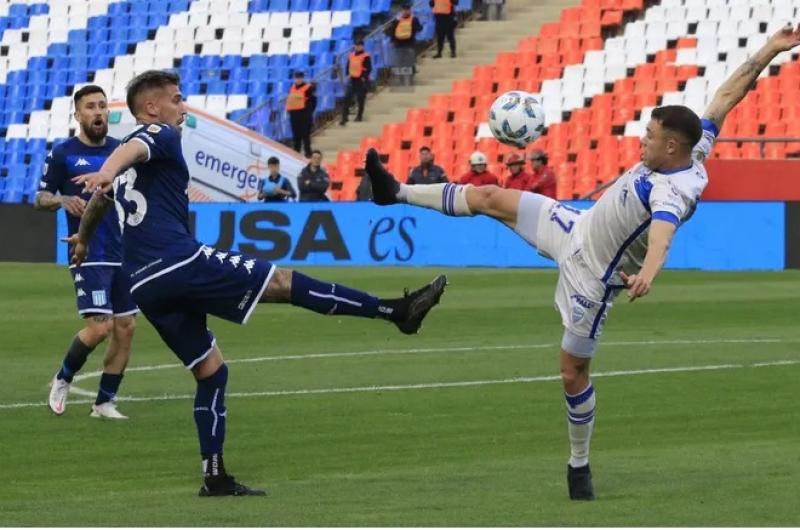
(121, 159)
(735, 88)
(95, 210)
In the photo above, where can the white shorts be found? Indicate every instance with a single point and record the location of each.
(582, 299)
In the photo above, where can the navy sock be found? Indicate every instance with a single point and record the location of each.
(74, 359)
(209, 412)
(334, 299)
(109, 384)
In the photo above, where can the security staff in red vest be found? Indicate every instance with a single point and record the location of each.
(300, 104)
(444, 13)
(359, 66)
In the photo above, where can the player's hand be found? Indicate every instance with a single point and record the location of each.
(74, 205)
(95, 181)
(637, 285)
(79, 249)
(786, 38)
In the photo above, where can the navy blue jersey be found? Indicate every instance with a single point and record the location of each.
(73, 158)
(152, 199)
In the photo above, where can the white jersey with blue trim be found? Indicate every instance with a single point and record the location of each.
(613, 233)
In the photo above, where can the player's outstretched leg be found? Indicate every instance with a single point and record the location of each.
(209, 417)
(96, 330)
(117, 355)
(450, 199)
(407, 312)
(581, 400)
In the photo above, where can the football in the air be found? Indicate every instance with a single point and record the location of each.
(517, 118)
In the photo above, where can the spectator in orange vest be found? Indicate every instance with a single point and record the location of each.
(477, 175)
(444, 14)
(403, 32)
(543, 180)
(518, 179)
(359, 66)
(300, 104)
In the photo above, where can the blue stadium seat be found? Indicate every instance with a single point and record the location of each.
(299, 5)
(279, 5)
(381, 6)
(340, 5)
(320, 5)
(359, 19)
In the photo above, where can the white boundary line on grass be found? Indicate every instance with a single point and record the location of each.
(453, 384)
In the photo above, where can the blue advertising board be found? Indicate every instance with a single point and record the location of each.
(720, 236)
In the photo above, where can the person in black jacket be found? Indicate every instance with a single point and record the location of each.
(444, 14)
(359, 67)
(427, 172)
(314, 181)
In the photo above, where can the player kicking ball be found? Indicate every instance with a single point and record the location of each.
(101, 289)
(619, 243)
(177, 281)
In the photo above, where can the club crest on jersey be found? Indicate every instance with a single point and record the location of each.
(99, 298)
(154, 129)
(577, 314)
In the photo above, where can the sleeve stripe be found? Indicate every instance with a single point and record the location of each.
(666, 216)
(144, 144)
(710, 126)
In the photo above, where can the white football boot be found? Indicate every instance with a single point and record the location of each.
(107, 410)
(57, 401)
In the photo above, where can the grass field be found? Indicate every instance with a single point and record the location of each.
(348, 422)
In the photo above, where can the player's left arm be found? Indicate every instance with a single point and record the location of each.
(659, 238)
(735, 88)
(95, 210)
(121, 159)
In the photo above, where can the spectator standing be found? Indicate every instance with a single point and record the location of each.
(403, 32)
(478, 175)
(444, 14)
(359, 67)
(518, 179)
(276, 187)
(314, 181)
(426, 172)
(300, 104)
(543, 180)
(364, 190)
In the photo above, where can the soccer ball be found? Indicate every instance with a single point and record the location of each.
(516, 118)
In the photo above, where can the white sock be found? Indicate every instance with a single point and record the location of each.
(580, 415)
(450, 199)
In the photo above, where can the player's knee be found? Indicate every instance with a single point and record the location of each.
(124, 328)
(280, 286)
(574, 374)
(98, 327)
(487, 198)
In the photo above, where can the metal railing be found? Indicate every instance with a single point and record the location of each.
(739, 140)
(272, 116)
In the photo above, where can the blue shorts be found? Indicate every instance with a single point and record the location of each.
(177, 299)
(102, 290)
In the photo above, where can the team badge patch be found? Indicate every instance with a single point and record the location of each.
(577, 314)
(154, 129)
(99, 298)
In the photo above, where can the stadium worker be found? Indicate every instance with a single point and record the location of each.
(518, 179)
(444, 15)
(314, 181)
(426, 172)
(300, 104)
(403, 32)
(177, 282)
(543, 180)
(478, 175)
(359, 67)
(276, 187)
(101, 289)
(619, 243)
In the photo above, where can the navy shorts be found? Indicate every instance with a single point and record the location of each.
(177, 299)
(102, 290)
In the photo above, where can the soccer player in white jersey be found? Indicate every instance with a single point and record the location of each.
(619, 243)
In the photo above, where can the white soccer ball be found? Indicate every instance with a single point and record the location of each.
(517, 118)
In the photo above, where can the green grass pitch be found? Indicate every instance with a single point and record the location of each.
(349, 423)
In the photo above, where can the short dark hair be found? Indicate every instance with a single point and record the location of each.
(85, 91)
(146, 81)
(424, 148)
(681, 120)
(316, 152)
(273, 160)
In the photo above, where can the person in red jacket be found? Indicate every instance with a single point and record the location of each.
(519, 179)
(477, 175)
(543, 179)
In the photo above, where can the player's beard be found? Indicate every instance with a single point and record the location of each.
(96, 131)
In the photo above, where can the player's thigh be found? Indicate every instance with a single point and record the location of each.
(546, 224)
(93, 286)
(583, 302)
(122, 302)
(494, 201)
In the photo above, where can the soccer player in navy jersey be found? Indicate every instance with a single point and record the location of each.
(102, 291)
(177, 281)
